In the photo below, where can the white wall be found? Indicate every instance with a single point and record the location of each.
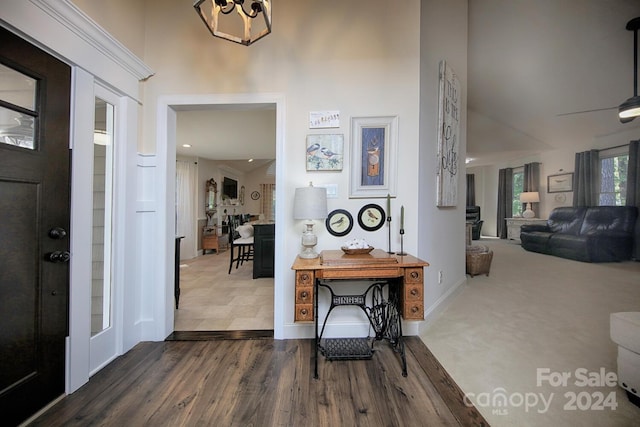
(253, 180)
(365, 64)
(362, 64)
(125, 27)
(441, 232)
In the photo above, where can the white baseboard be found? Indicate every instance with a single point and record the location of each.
(435, 309)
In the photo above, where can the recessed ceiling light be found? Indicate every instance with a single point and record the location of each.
(250, 160)
(186, 145)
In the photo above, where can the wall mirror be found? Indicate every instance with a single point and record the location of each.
(211, 193)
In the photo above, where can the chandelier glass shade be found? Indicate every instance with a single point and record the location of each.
(233, 20)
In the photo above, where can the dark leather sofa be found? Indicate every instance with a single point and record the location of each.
(589, 234)
(473, 218)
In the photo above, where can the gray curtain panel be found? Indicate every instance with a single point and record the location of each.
(586, 171)
(505, 196)
(633, 190)
(471, 189)
(633, 174)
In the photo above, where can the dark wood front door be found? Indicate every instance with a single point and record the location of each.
(34, 226)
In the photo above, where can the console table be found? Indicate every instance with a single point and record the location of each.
(403, 275)
(514, 224)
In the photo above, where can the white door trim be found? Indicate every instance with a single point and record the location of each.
(163, 286)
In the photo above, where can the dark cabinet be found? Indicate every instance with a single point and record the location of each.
(264, 239)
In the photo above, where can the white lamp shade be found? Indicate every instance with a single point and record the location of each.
(310, 203)
(529, 197)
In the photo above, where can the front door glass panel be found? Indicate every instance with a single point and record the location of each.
(18, 112)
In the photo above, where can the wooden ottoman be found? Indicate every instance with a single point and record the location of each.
(478, 260)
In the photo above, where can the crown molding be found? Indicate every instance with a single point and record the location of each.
(79, 23)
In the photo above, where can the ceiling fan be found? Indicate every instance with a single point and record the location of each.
(586, 111)
(629, 109)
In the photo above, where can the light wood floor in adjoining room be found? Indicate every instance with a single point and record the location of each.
(213, 300)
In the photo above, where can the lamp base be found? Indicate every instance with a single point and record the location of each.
(308, 253)
(528, 213)
(309, 241)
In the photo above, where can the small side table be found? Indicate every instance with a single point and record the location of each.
(210, 239)
(514, 224)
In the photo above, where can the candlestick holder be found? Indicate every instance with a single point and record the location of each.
(389, 225)
(402, 252)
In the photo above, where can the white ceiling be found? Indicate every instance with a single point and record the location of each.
(531, 60)
(229, 134)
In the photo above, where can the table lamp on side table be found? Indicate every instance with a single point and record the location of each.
(529, 197)
(310, 203)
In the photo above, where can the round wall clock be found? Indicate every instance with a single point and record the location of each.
(339, 222)
(371, 217)
(255, 195)
(560, 197)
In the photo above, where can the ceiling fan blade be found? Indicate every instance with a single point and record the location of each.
(586, 111)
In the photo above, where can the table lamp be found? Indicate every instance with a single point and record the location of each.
(310, 203)
(529, 197)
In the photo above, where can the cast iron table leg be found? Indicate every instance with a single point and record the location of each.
(315, 322)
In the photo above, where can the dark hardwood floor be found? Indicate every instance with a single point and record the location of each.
(263, 382)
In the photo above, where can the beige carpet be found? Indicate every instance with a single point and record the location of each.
(537, 312)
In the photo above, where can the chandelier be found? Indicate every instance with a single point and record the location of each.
(244, 27)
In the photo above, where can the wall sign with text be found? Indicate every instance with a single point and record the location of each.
(448, 137)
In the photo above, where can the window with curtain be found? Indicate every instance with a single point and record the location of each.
(186, 189)
(613, 177)
(505, 196)
(268, 201)
(517, 189)
(585, 180)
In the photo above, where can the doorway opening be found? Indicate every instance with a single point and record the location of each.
(225, 154)
(169, 108)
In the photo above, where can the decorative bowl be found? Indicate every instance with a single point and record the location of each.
(356, 251)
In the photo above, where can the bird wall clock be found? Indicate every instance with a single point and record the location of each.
(339, 222)
(325, 152)
(371, 217)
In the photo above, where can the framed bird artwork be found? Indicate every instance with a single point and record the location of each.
(339, 222)
(371, 217)
(325, 152)
(374, 144)
(559, 183)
